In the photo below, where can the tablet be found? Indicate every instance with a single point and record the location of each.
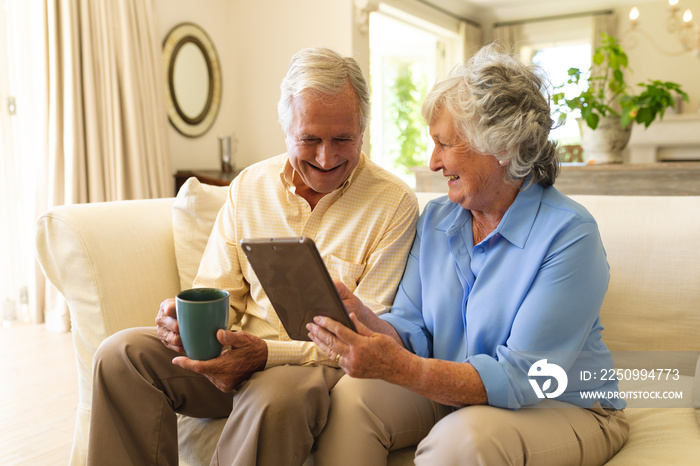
(296, 281)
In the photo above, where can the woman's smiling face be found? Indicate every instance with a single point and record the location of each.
(474, 179)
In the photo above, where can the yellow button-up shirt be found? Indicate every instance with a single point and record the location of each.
(363, 230)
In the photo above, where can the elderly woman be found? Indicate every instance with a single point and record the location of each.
(498, 309)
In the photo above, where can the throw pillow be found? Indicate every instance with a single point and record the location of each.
(194, 212)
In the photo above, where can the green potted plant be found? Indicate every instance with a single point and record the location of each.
(608, 105)
(405, 109)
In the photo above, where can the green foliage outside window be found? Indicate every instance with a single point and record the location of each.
(407, 96)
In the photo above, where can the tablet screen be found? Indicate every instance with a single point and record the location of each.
(296, 281)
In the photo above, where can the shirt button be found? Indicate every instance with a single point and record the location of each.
(480, 250)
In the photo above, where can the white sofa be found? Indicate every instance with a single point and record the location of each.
(115, 262)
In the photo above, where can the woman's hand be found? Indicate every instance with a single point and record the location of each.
(365, 354)
(369, 353)
(380, 354)
(354, 306)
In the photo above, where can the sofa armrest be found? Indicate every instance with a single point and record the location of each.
(114, 262)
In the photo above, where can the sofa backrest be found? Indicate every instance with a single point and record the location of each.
(653, 301)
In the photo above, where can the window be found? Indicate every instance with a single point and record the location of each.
(557, 45)
(22, 128)
(556, 61)
(406, 59)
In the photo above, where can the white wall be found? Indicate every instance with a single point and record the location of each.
(255, 40)
(266, 35)
(214, 16)
(648, 63)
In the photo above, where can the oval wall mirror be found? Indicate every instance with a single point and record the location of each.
(193, 78)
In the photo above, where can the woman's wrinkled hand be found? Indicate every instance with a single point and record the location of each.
(365, 354)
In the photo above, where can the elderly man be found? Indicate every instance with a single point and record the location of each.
(275, 392)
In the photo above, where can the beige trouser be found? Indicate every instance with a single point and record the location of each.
(273, 418)
(368, 418)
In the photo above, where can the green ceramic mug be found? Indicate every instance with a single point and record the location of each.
(201, 312)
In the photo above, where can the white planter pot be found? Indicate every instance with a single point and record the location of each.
(606, 143)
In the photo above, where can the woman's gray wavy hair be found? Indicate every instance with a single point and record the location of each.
(500, 106)
(326, 71)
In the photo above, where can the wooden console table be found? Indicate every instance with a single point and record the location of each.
(647, 179)
(214, 177)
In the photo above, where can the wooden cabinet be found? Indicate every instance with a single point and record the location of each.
(213, 177)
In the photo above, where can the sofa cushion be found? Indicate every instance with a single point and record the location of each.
(197, 440)
(659, 436)
(652, 299)
(194, 212)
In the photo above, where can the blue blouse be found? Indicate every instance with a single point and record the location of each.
(531, 290)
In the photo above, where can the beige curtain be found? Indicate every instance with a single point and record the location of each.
(472, 38)
(107, 109)
(510, 36)
(603, 23)
(107, 120)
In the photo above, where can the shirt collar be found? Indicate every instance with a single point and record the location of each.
(516, 224)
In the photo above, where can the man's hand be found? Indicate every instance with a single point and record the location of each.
(247, 355)
(167, 326)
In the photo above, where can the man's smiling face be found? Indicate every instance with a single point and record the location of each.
(324, 141)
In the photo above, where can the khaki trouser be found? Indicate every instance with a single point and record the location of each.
(368, 418)
(273, 418)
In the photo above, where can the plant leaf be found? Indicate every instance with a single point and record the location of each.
(598, 58)
(592, 120)
(645, 116)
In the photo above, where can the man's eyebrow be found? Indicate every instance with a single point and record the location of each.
(337, 136)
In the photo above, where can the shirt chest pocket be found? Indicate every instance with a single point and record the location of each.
(347, 272)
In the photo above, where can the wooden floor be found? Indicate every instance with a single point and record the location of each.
(38, 396)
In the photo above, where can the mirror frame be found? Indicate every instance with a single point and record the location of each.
(179, 36)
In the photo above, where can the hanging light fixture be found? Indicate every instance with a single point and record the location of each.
(687, 33)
